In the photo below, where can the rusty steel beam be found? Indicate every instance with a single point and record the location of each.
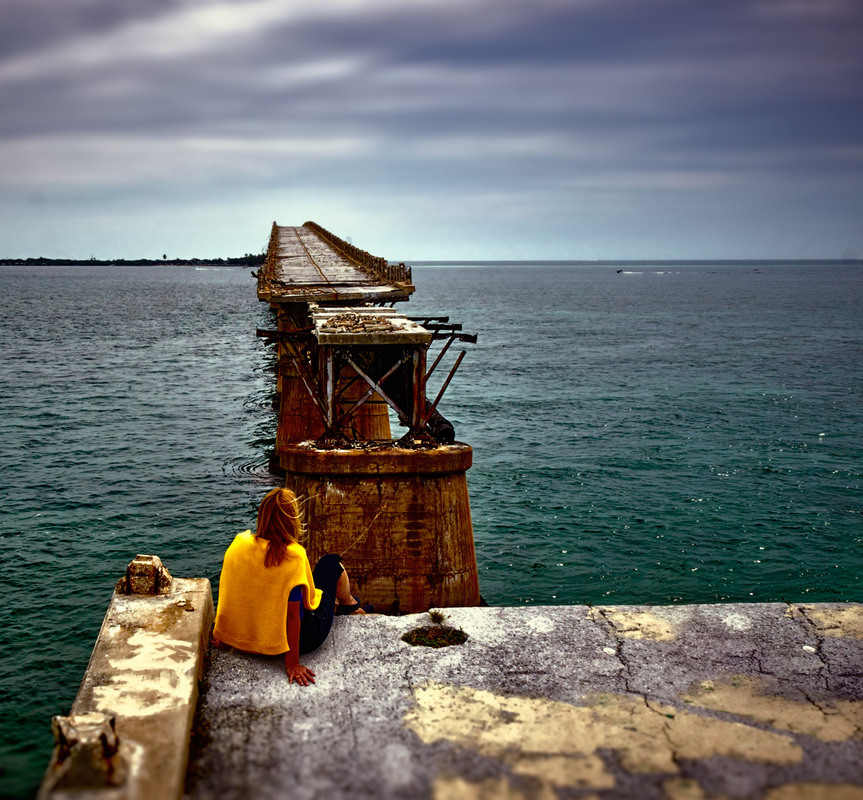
(443, 388)
(302, 368)
(348, 415)
(442, 353)
(376, 387)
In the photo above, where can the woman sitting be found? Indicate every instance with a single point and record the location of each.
(270, 601)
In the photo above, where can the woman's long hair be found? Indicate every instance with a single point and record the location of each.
(279, 523)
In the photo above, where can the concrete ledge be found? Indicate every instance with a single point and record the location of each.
(754, 702)
(143, 673)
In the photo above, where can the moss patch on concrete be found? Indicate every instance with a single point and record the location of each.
(434, 636)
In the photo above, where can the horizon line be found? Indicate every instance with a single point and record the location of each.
(602, 262)
(243, 261)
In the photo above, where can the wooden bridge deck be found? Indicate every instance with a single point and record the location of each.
(309, 264)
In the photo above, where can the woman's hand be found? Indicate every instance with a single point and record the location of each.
(302, 675)
(296, 671)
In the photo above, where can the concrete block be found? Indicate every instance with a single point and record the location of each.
(128, 734)
(145, 575)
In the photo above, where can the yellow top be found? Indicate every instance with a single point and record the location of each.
(253, 599)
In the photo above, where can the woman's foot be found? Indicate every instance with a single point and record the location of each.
(346, 603)
(356, 607)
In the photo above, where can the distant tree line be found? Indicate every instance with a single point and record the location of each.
(248, 260)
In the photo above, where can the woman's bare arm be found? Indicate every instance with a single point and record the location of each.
(296, 671)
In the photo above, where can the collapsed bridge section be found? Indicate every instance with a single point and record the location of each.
(397, 510)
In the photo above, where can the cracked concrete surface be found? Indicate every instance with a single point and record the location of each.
(678, 702)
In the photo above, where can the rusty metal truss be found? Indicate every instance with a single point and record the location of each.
(397, 372)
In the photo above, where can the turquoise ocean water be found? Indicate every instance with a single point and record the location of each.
(658, 434)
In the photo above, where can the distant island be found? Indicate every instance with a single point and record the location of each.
(248, 260)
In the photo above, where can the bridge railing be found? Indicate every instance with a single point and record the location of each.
(376, 267)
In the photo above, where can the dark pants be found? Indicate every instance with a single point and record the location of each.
(316, 624)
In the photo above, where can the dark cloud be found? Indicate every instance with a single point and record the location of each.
(537, 104)
(27, 25)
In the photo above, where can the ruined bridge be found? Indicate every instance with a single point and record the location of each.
(397, 508)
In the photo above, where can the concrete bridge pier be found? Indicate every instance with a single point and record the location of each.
(399, 518)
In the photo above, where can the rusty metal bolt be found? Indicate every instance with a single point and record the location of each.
(87, 754)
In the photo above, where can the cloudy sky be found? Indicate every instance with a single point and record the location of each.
(424, 129)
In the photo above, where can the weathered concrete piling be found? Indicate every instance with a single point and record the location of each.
(400, 518)
(398, 511)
